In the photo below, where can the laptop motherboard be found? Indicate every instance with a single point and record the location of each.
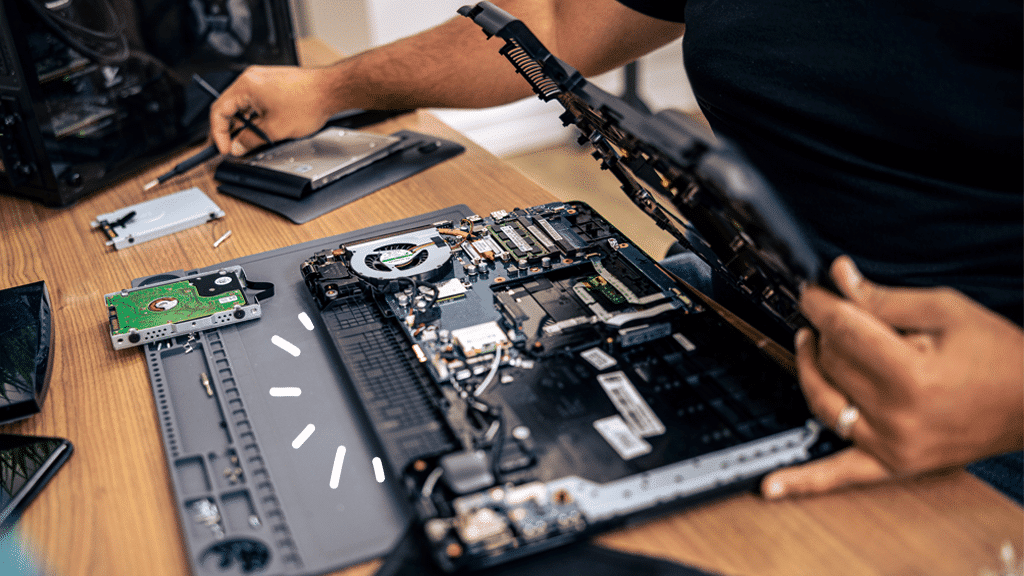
(533, 376)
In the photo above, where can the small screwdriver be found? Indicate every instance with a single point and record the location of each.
(210, 151)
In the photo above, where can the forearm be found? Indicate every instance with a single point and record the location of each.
(453, 65)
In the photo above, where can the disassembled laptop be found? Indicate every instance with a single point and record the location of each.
(534, 377)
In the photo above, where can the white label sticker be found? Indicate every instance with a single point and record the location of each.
(684, 342)
(542, 237)
(620, 437)
(227, 299)
(550, 230)
(516, 239)
(598, 358)
(450, 288)
(631, 405)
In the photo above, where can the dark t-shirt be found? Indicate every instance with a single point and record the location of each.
(893, 129)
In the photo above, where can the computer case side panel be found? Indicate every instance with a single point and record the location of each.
(25, 168)
(91, 90)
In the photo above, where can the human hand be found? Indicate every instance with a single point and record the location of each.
(937, 378)
(288, 102)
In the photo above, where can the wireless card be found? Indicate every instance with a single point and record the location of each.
(180, 306)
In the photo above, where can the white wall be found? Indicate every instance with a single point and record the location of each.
(352, 26)
(393, 19)
(355, 25)
(341, 23)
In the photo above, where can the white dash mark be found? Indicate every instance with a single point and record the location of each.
(304, 318)
(288, 391)
(285, 345)
(303, 436)
(339, 457)
(378, 470)
(222, 238)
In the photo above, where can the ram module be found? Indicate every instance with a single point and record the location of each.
(520, 242)
(179, 306)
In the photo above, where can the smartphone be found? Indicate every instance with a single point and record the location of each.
(26, 464)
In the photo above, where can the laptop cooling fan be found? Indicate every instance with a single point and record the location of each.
(420, 256)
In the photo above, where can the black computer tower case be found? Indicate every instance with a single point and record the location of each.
(91, 90)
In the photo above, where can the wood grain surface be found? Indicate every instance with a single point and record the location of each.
(110, 510)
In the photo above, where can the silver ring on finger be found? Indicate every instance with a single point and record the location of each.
(848, 416)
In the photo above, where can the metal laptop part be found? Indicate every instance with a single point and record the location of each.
(158, 217)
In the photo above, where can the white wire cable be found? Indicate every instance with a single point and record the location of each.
(498, 351)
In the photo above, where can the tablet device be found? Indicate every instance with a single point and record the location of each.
(26, 464)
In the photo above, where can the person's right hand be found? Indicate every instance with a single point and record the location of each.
(936, 379)
(289, 102)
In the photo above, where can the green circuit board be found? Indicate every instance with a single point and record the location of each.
(600, 285)
(171, 303)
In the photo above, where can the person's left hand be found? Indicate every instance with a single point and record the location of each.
(937, 378)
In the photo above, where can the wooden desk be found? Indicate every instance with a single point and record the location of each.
(110, 510)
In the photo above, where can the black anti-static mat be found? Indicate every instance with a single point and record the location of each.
(252, 461)
(418, 152)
